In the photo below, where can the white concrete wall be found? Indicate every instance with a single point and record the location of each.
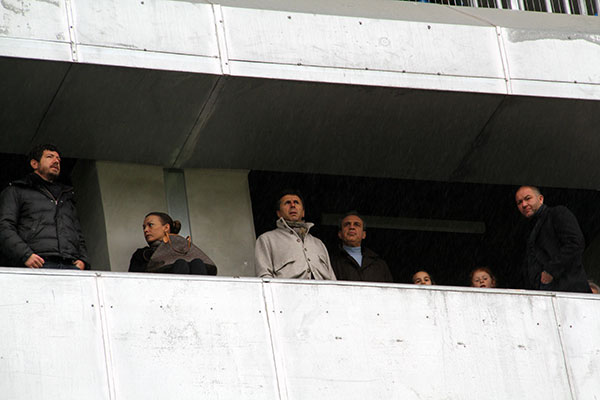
(221, 218)
(129, 192)
(81, 335)
(364, 42)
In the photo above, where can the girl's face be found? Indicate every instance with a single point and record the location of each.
(422, 278)
(482, 279)
(154, 228)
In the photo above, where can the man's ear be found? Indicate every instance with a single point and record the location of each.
(542, 198)
(364, 235)
(340, 235)
(278, 214)
(34, 163)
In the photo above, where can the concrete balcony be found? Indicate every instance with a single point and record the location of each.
(69, 335)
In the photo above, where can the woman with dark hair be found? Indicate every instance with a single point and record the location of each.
(482, 277)
(167, 252)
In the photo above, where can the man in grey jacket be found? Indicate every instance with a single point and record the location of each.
(39, 227)
(290, 251)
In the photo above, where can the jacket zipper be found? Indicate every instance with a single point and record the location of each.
(47, 192)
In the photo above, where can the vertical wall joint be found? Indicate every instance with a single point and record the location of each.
(504, 58)
(271, 316)
(221, 38)
(559, 327)
(105, 337)
(72, 31)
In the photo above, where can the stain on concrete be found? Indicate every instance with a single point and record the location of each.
(54, 3)
(127, 46)
(17, 7)
(521, 35)
(21, 7)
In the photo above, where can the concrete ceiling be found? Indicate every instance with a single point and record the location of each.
(187, 120)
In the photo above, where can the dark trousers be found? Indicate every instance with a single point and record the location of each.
(58, 265)
(194, 267)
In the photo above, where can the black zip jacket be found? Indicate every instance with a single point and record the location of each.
(32, 220)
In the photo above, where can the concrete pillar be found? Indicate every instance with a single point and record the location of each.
(129, 192)
(113, 199)
(221, 218)
(91, 213)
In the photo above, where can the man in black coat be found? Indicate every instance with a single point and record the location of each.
(39, 227)
(555, 245)
(353, 262)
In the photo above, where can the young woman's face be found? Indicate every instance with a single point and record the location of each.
(422, 278)
(482, 279)
(154, 229)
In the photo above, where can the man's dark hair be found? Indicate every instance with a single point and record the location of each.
(38, 150)
(356, 214)
(285, 192)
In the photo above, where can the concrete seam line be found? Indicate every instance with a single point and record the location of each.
(278, 362)
(105, 338)
(206, 111)
(69, 6)
(504, 58)
(562, 345)
(59, 88)
(219, 21)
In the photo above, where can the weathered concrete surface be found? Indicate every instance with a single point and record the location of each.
(114, 335)
(363, 42)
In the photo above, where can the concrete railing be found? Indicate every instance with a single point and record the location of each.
(69, 335)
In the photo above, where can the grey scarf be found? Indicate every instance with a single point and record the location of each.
(299, 227)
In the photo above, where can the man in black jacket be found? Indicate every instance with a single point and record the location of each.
(555, 245)
(39, 227)
(353, 262)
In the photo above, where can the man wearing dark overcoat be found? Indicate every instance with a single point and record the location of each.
(353, 262)
(554, 247)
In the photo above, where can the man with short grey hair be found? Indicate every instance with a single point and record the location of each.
(354, 262)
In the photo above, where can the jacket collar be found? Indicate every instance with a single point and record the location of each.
(369, 256)
(366, 252)
(32, 180)
(540, 213)
(538, 220)
(283, 225)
